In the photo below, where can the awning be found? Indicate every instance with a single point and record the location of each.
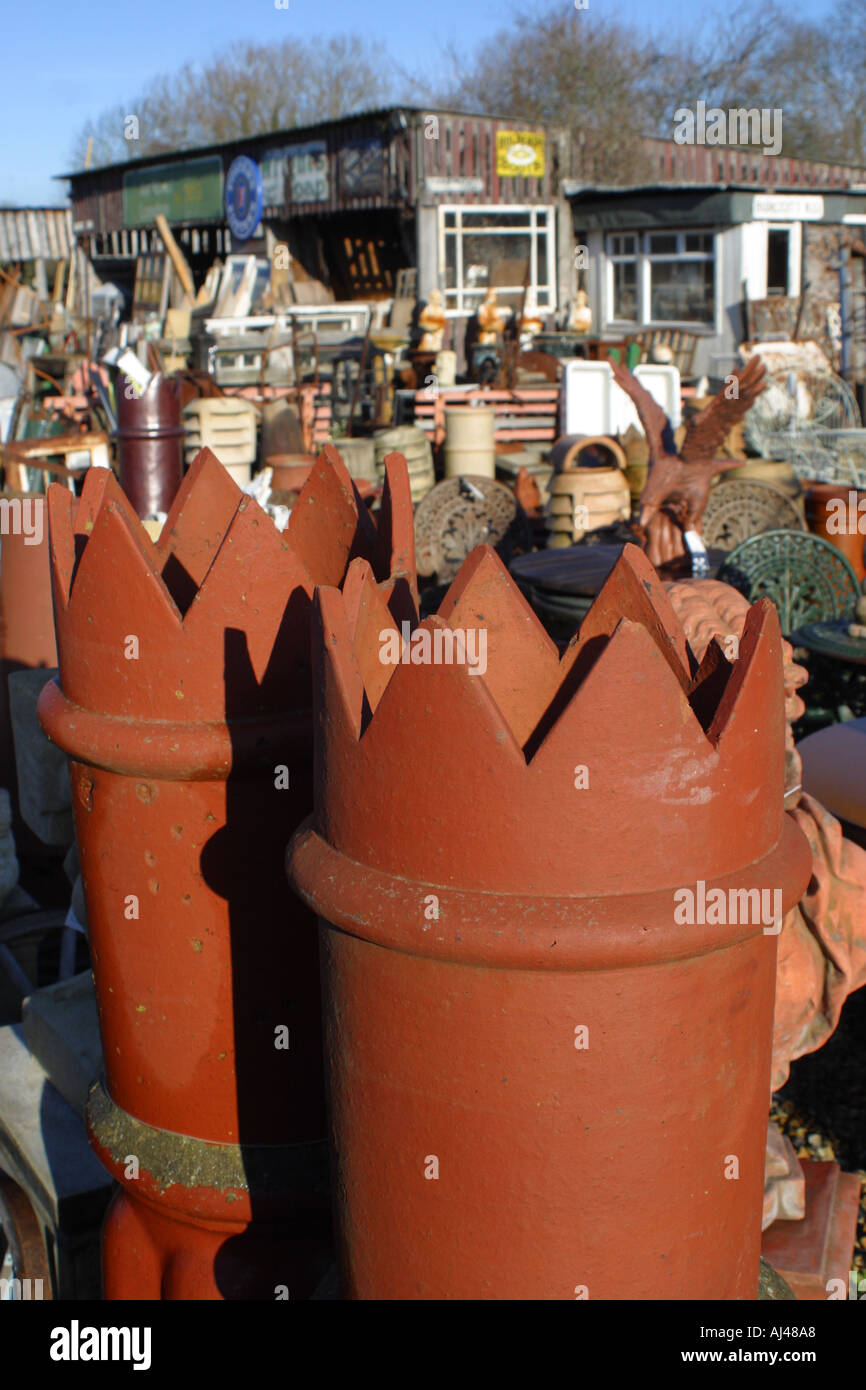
(610, 209)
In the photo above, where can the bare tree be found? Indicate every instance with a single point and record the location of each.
(813, 72)
(609, 84)
(603, 80)
(569, 68)
(246, 90)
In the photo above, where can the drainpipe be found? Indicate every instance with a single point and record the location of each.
(548, 1061)
(150, 437)
(183, 702)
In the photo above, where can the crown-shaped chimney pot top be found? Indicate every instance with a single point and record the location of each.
(155, 631)
(532, 773)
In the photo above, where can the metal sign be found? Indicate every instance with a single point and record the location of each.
(244, 197)
(520, 153)
(189, 191)
(310, 173)
(444, 184)
(362, 169)
(788, 207)
(275, 166)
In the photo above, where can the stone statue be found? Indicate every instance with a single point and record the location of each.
(491, 319)
(431, 321)
(531, 320)
(581, 314)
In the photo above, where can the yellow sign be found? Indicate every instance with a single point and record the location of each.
(519, 153)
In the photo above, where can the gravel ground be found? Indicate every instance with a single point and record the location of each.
(822, 1108)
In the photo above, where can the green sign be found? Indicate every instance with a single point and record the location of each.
(188, 192)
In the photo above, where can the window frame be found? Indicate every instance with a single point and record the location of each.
(541, 221)
(794, 259)
(644, 258)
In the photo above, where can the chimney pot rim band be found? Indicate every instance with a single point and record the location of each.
(574, 933)
(173, 751)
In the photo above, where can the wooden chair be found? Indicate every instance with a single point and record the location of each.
(681, 342)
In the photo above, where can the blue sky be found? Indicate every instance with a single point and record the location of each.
(65, 63)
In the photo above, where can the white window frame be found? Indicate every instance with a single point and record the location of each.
(644, 259)
(541, 219)
(795, 243)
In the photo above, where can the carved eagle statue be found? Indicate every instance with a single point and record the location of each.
(678, 483)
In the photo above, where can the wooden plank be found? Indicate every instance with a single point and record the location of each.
(176, 256)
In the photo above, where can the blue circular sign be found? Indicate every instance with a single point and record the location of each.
(244, 197)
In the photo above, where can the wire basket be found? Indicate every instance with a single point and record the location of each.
(800, 414)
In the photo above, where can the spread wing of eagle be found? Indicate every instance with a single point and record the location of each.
(679, 480)
(654, 422)
(707, 431)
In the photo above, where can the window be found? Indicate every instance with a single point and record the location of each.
(483, 248)
(623, 256)
(778, 259)
(662, 277)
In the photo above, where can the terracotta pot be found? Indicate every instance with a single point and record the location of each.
(542, 1084)
(820, 520)
(291, 471)
(183, 702)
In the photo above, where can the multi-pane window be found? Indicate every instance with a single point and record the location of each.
(622, 251)
(662, 277)
(483, 248)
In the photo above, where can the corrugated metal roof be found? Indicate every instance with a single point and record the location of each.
(27, 233)
(293, 133)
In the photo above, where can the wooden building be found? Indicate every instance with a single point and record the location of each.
(469, 201)
(472, 202)
(720, 261)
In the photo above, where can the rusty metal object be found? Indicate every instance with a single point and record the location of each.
(511, 1019)
(184, 705)
(23, 1233)
(150, 439)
